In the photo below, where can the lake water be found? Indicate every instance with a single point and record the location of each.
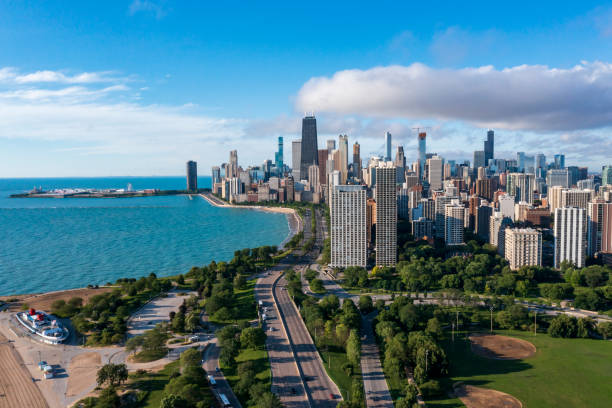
(52, 244)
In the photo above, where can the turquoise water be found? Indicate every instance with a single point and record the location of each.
(52, 244)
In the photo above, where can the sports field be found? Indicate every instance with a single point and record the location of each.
(561, 373)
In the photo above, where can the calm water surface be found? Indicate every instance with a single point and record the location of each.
(52, 244)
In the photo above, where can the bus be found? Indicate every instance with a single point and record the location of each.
(224, 400)
(211, 380)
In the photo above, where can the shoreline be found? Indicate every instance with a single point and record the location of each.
(293, 219)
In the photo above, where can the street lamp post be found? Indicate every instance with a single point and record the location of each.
(491, 309)
(535, 322)
(426, 354)
(453, 331)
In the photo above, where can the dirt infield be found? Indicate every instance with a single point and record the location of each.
(476, 397)
(16, 386)
(501, 347)
(82, 373)
(43, 301)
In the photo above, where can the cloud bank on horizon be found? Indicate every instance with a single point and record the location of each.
(525, 97)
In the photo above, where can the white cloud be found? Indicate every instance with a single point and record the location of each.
(11, 75)
(155, 8)
(529, 97)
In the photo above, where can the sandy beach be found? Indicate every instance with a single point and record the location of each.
(293, 219)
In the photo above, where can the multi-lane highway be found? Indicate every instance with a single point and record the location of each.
(298, 375)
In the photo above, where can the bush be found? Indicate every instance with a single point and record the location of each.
(431, 388)
(563, 326)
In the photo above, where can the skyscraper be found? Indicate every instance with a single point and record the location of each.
(523, 247)
(479, 159)
(558, 177)
(216, 175)
(232, 167)
(596, 223)
(309, 151)
(540, 165)
(331, 145)
(454, 214)
(357, 161)
(343, 148)
(386, 214)
(279, 155)
(489, 147)
(296, 154)
(422, 153)
(400, 164)
(521, 186)
(348, 226)
(570, 236)
(388, 146)
(576, 198)
(606, 175)
(192, 176)
(435, 165)
(559, 161)
(323, 166)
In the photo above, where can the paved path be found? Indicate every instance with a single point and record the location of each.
(156, 311)
(210, 364)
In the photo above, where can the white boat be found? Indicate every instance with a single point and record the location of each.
(43, 325)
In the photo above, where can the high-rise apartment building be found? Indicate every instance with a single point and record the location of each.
(576, 198)
(540, 165)
(440, 213)
(348, 226)
(314, 182)
(370, 219)
(435, 166)
(558, 177)
(596, 223)
(521, 187)
(554, 197)
(506, 206)
(606, 229)
(559, 162)
(296, 154)
(570, 236)
(388, 146)
(400, 164)
(192, 176)
(422, 228)
(454, 214)
(386, 214)
(330, 145)
(497, 234)
(344, 155)
(323, 154)
(309, 151)
(422, 153)
(523, 247)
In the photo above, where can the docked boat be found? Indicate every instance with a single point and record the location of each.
(45, 326)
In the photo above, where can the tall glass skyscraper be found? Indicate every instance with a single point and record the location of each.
(422, 153)
(309, 154)
(279, 155)
(489, 147)
(559, 161)
(388, 144)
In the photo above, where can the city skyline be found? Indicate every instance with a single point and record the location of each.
(148, 85)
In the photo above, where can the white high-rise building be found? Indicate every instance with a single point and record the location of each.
(558, 177)
(296, 155)
(554, 197)
(348, 226)
(343, 148)
(454, 223)
(314, 182)
(523, 247)
(386, 214)
(576, 198)
(436, 170)
(570, 235)
(506, 206)
(497, 235)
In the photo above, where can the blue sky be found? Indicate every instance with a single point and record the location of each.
(139, 87)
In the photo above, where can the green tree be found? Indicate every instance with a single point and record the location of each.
(174, 401)
(434, 327)
(114, 374)
(605, 329)
(253, 338)
(353, 348)
(365, 304)
(108, 399)
(268, 400)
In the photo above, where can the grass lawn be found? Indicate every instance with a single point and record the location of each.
(146, 356)
(154, 384)
(261, 363)
(335, 371)
(563, 373)
(245, 303)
